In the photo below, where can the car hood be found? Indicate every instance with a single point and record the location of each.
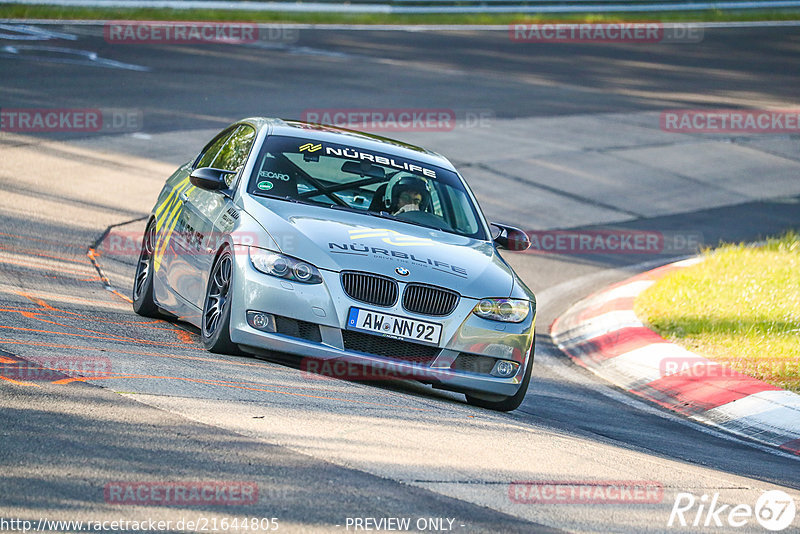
(339, 240)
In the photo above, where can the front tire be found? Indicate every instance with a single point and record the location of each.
(215, 329)
(509, 403)
(143, 302)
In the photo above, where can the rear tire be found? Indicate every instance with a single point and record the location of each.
(509, 403)
(215, 331)
(143, 302)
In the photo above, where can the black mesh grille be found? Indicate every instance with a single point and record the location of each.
(473, 363)
(298, 329)
(429, 300)
(370, 288)
(389, 348)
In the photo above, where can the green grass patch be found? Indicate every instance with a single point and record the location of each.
(15, 11)
(740, 307)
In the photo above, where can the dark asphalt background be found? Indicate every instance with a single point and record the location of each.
(209, 86)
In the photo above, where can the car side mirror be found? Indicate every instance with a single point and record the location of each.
(209, 178)
(511, 238)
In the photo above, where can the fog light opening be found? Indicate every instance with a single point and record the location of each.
(261, 321)
(505, 368)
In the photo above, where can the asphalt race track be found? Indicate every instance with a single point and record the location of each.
(550, 136)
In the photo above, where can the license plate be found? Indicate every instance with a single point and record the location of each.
(394, 326)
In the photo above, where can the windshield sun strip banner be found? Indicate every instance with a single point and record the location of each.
(321, 148)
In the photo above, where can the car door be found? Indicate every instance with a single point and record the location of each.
(205, 208)
(182, 224)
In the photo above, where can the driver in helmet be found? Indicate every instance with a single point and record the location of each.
(410, 193)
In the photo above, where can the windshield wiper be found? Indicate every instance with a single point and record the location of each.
(288, 198)
(387, 215)
(344, 208)
(381, 214)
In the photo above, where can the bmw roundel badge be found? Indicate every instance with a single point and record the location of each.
(402, 271)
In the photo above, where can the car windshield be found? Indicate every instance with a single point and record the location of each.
(361, 180)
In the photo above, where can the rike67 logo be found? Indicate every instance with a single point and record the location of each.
(774, 510)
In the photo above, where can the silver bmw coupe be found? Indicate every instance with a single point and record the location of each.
(340, 246)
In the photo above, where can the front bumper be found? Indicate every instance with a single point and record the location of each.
(325, 306)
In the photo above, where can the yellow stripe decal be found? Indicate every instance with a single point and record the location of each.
(172, 195)
(172, 205)
(161, 247)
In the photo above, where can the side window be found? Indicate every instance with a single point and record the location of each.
(233, 155)
(210, 152)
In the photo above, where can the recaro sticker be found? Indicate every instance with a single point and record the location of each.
(274, 175)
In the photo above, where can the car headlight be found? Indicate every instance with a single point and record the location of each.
(283, 266)
(505, 310)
